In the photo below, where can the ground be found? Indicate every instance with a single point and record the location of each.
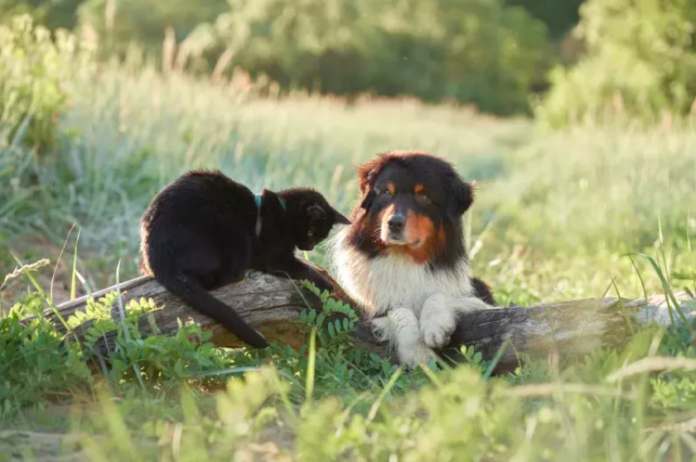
(558, 216)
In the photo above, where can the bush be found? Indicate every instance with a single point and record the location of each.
(640, 62)
(473, 51)
(144, 21)
(53, 14)
(34, 70)
(559, 17)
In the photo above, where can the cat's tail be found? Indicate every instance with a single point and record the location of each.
(199, 299)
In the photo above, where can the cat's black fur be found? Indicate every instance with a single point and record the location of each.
(200, 232)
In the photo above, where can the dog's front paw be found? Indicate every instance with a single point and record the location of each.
(381, 329)
(413, 355)
(437, 321)
(437, 332)
(400, 329)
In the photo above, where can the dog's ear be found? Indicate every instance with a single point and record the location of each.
(367, 199)
(460, 197)
(367, 174)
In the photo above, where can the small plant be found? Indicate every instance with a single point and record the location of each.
(473, 358)
(34, 70)
(329, 328)
(36, 362)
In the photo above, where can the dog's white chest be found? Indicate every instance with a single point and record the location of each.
(395, 281)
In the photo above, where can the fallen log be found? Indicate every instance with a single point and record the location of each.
(272, 305)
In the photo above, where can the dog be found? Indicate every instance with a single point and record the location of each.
(403, 259)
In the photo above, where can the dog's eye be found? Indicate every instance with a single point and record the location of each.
(386, 192)
(423, 199)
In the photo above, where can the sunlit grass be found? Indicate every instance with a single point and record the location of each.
(558, 216)
(560, 209)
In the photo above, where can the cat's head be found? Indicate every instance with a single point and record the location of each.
(311, 216)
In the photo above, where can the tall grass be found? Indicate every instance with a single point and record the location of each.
(559, 209)
(557, 216)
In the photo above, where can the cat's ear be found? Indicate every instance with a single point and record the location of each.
(339, 218)
(316, 212)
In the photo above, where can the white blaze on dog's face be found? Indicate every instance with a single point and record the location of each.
(406, 240)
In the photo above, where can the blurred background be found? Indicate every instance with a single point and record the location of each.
(493, 54)
(575, 118)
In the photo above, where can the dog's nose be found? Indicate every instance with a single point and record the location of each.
(397, 222)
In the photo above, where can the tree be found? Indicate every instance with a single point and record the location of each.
(474, 51)
(640, 62)
(119, 23)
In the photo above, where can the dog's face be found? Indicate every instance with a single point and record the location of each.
(408, 201)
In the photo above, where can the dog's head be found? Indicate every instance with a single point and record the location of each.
(411, 203)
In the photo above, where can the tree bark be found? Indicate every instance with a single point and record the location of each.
(272, 306)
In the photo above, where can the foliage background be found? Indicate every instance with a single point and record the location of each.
(96, 119)
(565, 61)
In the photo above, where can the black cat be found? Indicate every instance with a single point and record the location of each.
(204, 230)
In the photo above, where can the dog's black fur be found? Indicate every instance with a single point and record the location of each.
(482, 291)
(403, 259)
(199, 233)
(440, 206)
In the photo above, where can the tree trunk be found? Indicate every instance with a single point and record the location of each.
(272, 306)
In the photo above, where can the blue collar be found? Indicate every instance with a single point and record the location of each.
(258, 199)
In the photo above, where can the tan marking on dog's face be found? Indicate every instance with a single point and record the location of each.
(423, 241)
(419, 228)
(432, 246)
(419, 192)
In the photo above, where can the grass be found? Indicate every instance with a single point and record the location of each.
(558, 216)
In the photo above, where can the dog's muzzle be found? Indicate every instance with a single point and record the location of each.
(396, 225)
(394, 232)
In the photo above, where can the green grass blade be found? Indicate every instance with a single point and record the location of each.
(121, 308)
(494, 362)
(73, 280)
(40, 290)
(640, 275)
(692, 265)
(60, 257)
(672, 303)
(311, 364)
(387, 388)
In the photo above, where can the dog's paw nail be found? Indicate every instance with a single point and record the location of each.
(437, 335)
(415, 357)
(434, 340)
